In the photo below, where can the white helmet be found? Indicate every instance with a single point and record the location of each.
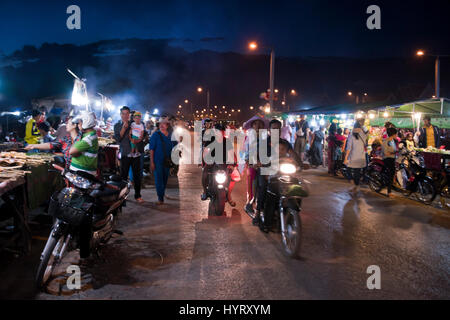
(87, 119)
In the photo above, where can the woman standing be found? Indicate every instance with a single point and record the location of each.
(331, 139)
(389, 151)
(317, 147)
(160, 153)
(355, 156)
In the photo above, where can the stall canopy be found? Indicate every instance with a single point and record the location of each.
(399, 114)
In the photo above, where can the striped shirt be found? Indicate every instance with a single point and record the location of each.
(87, 161)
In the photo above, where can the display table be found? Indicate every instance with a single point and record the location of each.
(13, 193)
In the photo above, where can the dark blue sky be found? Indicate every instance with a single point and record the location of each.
(294, 28)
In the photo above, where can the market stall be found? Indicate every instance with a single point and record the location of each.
(25, 184)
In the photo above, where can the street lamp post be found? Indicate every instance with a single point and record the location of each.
(253, 46)
(437, 70)
(200, 90)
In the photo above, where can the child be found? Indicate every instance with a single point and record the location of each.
(136, 134)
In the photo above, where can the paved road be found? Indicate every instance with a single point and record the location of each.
(176, 252)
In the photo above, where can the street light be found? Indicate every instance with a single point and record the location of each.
(253, 46)
(437, 70)
(200, 90)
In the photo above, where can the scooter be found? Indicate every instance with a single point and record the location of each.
(85, 214)
(410, 177)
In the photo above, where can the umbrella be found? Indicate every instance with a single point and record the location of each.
(248, 124)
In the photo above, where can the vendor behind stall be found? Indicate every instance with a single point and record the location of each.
(32, 134)
(428, 136)
(62, 144)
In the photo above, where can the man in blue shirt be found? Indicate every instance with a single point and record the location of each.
(160, 149)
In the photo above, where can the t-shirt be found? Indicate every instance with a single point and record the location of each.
(137, 129)
(301, 128)
(157, 146)
(430, 136)
(87, 161)
(286, 132)
(32, 134)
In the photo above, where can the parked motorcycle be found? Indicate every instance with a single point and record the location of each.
(85, 213)
(410, 177)
(217, 189)
(283, 206)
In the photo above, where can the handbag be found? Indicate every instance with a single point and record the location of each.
(168, 163)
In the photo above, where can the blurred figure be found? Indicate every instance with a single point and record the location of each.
(302, 135)
(355, 155)
(316, 151)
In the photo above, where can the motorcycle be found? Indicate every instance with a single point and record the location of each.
(217, 189)
(410, 176)
(85, 215)
(283, 206)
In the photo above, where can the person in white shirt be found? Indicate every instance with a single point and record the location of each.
(286, 131)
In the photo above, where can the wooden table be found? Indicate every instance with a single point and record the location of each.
(13, 193)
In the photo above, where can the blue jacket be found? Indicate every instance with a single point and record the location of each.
(423, 137)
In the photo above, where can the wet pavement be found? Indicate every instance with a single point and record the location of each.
(175, 251)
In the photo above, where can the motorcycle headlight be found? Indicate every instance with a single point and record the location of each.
(78, 181)
(221, 177)
(287, 168)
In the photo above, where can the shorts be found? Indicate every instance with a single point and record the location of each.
(132, 144)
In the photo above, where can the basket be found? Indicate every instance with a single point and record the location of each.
(433, 161)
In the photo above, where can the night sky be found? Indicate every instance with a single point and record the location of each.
(293, 28)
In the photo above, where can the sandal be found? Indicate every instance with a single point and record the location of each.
(140, 200)
(232, 203)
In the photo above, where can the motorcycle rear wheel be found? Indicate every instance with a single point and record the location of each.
(375, 181)
(48, 260)
(292, 237)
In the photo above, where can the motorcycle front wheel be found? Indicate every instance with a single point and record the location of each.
(426, 191)
(49, 260)
(292, 235)
(217, 203)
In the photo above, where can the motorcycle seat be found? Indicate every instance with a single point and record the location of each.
(120, 184)
(98, 194)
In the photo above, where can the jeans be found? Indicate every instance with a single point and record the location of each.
(135, 164)
(161, 176)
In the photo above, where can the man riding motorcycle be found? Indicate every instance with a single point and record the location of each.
(207, 168)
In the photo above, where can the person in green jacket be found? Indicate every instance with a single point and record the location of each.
(85, 152)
